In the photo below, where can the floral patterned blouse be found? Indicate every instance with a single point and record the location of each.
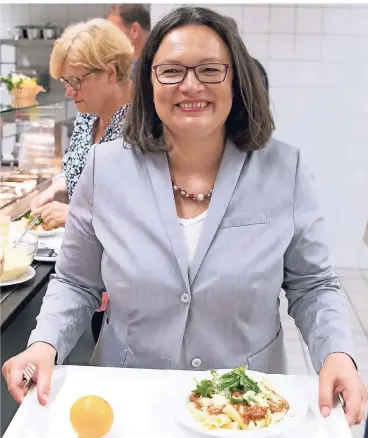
(81, 142)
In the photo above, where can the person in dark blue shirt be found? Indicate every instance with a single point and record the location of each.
(366, 429)
(135, 21)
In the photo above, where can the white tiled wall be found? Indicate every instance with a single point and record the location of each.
(60, 14)
(317, 61)
(36, 14)
(56, 13)
(39, 14)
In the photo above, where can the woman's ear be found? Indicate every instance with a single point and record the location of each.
(135, 31)
(111, 73)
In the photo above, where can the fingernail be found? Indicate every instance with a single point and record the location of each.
(325, 411)
(45, 398)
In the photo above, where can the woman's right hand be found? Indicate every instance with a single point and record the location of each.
(42, 356)
(44, 198)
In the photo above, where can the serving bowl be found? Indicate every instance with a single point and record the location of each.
(15, 261)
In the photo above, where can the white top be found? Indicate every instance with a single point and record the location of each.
(191, 229)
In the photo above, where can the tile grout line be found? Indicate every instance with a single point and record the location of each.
(364, 330)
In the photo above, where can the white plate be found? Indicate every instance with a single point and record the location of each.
(45, 259)
(284, 387)
(27, 275)
(48, 233)
(17, 227)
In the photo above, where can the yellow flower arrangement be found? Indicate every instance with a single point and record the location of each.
(23, 89)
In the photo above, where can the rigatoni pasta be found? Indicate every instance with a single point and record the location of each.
(236, 401)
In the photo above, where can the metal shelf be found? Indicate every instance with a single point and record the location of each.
(23, 42)
(44, 99)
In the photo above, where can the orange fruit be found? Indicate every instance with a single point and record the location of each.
(91, 417)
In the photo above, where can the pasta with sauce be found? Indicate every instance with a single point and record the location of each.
(236, 401)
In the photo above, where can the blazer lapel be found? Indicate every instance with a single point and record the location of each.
(231, 166)
(158, 170)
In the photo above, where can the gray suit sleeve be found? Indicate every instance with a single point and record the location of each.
(74, 292)
(316, 301)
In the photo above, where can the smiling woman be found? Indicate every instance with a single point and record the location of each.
(217, 70)
(194, 222)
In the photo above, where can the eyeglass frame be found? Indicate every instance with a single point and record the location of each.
(227, 66)
(78, 78)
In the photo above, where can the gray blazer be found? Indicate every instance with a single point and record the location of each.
(263, 232)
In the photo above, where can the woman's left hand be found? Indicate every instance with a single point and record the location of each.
(54, 214)
(339, 375)
(104, 302)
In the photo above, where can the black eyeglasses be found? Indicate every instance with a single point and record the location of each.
(171, 74)
(76, 82)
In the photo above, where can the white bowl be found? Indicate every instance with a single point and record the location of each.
(17, 260)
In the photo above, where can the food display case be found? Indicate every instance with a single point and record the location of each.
(32, 142)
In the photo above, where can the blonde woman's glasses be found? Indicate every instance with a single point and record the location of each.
(76, 81)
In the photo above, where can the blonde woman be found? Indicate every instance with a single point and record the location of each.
(93, 59)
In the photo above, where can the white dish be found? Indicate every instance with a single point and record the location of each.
(284, 387)
(17, 227)
(45, 259)
(28, 274)
(48, 233)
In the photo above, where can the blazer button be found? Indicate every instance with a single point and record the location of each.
(185, 298)
(196, 362)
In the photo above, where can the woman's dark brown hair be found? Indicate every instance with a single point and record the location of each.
(249, 124)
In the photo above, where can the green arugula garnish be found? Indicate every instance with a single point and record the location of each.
(237, 380)
(233, 381)
(204, 388)
(30, 219)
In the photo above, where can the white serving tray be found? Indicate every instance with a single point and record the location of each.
(138, 401)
